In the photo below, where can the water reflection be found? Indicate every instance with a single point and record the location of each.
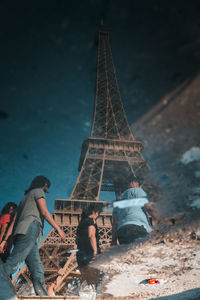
(89, 274)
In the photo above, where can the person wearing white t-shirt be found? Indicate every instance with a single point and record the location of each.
(130, 215)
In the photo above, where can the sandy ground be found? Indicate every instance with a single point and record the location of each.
(174, 260)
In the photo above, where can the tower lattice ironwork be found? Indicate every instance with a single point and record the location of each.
(109, 158)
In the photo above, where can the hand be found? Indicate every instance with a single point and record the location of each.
(95, 256)
(62, 234)
(2, 246)
(149, 204)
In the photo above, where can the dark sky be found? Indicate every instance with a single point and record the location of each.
(47, 87)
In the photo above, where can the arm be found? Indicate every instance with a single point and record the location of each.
(92, 237)
(8, 234)
(48, 217)
(152, 212)
(114, 229)
(3, 230)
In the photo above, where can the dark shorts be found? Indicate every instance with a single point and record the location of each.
(129, 233)
(83, 258)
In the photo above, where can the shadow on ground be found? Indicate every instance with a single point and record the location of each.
(188, 295)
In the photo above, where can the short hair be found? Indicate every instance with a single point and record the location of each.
(38, 182)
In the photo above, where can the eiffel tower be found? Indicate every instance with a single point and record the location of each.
(109, 158)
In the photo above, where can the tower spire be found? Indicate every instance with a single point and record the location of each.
(109, 119)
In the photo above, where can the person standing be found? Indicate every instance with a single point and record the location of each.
(88, 244)
(130, 218)
(28, 229)
(7, 217)
(87, 236)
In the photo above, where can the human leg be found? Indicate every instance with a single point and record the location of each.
(23, 244)
(83, 258)
(36, 269)
(4, 256)
(7, 290)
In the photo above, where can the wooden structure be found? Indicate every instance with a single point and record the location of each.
(109, 158)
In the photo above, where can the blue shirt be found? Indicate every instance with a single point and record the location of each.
(130, 209)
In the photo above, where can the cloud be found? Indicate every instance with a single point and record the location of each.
(191, 155)
(86, 126)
